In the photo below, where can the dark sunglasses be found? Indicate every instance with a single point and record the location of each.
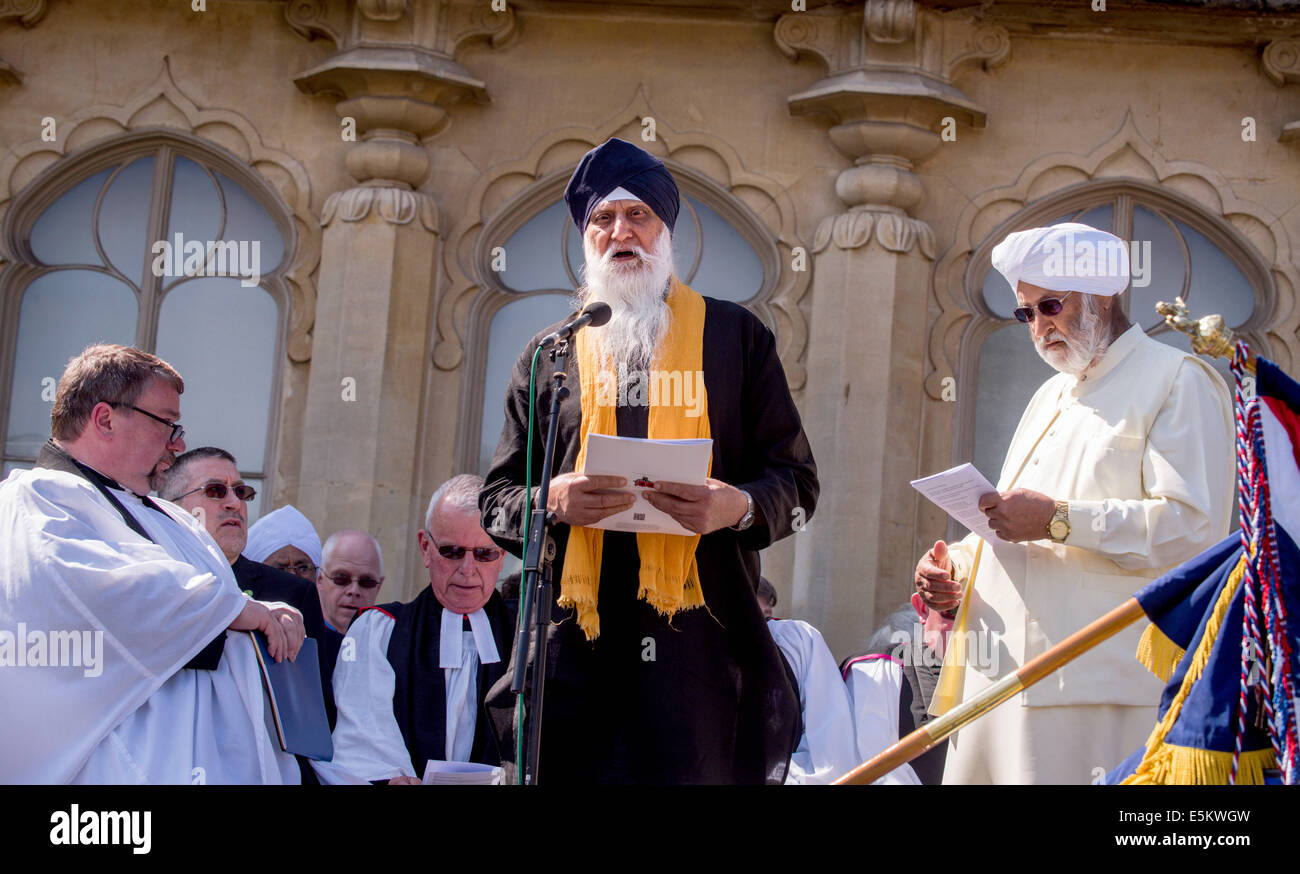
(483, 554)
(178, 430)
(1048, 306)
(217, 492)
(341, 580)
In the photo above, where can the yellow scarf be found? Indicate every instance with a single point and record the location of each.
(670, 580)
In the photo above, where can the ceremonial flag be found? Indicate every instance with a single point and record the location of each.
(1223, 624)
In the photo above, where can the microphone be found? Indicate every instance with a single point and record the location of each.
(594, 314)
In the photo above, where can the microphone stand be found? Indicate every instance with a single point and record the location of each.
(536, 590)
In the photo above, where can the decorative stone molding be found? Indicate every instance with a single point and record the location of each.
(895, 232)
(28, 12)
(316, 18)
(889, 87)
(1281, 61)
(163, 106)
(1126, 159)
(890, 21)
(515, 190)
(395, 206)
(382, 10)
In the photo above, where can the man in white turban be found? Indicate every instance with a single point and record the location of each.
(286, 540)
(1120, 469)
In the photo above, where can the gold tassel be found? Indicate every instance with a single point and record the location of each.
(1158, 654)
(1164, 763)
(1172, 765)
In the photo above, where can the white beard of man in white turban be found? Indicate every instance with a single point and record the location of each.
(636, 292)
(1088, 339)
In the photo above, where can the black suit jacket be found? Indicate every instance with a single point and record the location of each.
(271, 584)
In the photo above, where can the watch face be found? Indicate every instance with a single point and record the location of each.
(1059, 529)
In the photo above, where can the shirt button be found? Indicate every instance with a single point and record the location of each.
(1035, 461)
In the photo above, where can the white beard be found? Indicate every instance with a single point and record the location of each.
(635, 291)
(1088, 340)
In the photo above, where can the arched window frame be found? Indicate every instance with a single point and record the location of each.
(165, 146)
(1124, 195)
(493, 294)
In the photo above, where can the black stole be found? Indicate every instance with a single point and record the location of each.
(420, 690)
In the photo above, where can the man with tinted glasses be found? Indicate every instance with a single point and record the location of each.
(206, 483)
(414, 690)
(351, 572)
(1120, 469)
(129, 591)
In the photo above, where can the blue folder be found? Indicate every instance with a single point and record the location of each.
(297, 703)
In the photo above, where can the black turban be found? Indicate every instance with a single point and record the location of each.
(617, 164)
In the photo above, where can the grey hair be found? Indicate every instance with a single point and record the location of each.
(461, 492)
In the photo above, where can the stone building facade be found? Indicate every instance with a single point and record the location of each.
(399, 164)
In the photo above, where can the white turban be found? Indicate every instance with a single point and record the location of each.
(1065, 257)
(283, 527)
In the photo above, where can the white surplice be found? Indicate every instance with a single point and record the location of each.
(71, 564)
(368, 742)
(1142, 449)
(874, 684)
(826, 749)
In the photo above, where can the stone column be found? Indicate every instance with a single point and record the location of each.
(394, 80)
(888, 95)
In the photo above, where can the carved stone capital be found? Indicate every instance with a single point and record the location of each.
(893, 231)
(888, 90)
(1281, 61)
(396, 206)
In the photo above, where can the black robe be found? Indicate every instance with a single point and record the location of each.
(420, 691)
(705, 698)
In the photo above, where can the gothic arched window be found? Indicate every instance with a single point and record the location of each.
(160, 242)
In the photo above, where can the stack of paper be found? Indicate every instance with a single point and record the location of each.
(957, 492)
(440, 773)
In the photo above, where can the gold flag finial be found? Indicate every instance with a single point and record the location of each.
(1210, 336)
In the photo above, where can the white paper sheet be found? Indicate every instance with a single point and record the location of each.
(441, 773)
(957, 492)
(642, 463)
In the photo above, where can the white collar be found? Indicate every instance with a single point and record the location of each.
(451, 638)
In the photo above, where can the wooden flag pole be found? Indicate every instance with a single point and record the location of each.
(936, 730)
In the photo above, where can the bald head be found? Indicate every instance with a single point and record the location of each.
(352, 568)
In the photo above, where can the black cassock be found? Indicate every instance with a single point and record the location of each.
(704, 698)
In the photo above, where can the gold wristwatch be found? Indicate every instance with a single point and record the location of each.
(1059, 528)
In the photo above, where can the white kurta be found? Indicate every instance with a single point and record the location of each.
(1142, 450)
(826, 748)
(367, 740)
(71, 564)
(874, 685)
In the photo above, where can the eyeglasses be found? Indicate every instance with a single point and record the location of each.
(217, 492)
(482, 554)
(304, 569)
(178, 430)
(1048, 306)
(341, 580)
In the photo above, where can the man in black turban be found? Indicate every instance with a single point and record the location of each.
(660, 667)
